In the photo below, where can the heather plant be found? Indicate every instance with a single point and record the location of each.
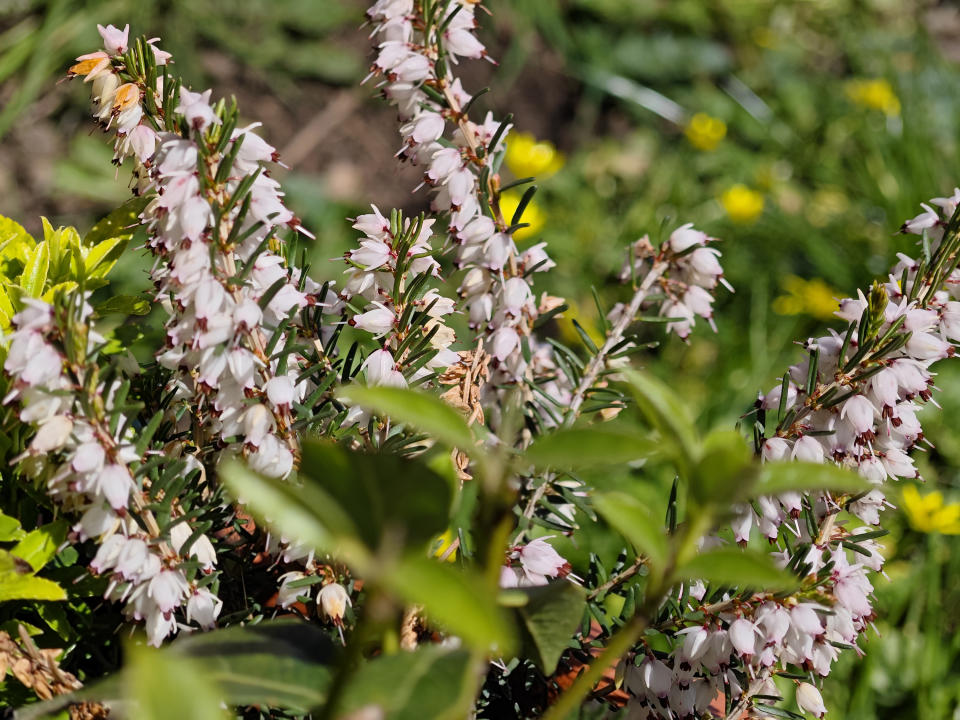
(391, 490)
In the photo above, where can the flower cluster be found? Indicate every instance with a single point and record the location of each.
(688, 272)
(388, 272)
(84, 452)
(853, 401)
(212, 226)
(414, 57)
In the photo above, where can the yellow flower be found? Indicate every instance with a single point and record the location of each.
(573, 312)
(532, 214)
(806, 297)
(442, 544)
(876, 94)
(528, 157)
(928, 514)
(742, 204)
(705, 132)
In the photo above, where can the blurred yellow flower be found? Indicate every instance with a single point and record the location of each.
(876, 94)
(528, 157)
(807, 297)
(705, 132)
(742, 204)
(928, 514)
(532, 214)
(573, 312)
(442, 544)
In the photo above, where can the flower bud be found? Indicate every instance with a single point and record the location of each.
(333, 601)
(809, 700)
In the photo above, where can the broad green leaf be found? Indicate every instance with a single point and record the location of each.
(121, 223)
(454, 598)
(124, 305)
(292, 508)
(780, 477)
(725, 471)
(632, 519)
(281, 663)
(160, 687)
(589, 447)
(10, 530)
(738, 568)
(34, 275)
(15, 242)
(17, 581)
(550, 617)
(64, 287)
(414, 408)
(40, 545)
(101, 258)
(385, 497)
(666, 412)
(425, 683)
(6, 308)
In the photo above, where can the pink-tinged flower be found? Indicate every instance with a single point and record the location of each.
(921, 222)
(142, 142)
(195, 108)
(858, 412)
(427, 127)
(114, 39)
(743, 636)
(540, 561)
(52, 435)
(159, 626)
(132, 558)
(503, 342)
(203, 607)
(463, 42)
(114, 484)
(286, 595)
(280, 391)
(160, 57)
(805, 619)
(775, 449)
(371, 255)
(167, 589)
(378, 321)
(685, 237)
(381, 369)
(657, 677)
(373, 224)
(258, 423)
(926, 346)
(107, 554)
(808, 449)
(412, 69)
(809, 700)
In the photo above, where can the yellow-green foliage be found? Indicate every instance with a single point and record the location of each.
(62, 261)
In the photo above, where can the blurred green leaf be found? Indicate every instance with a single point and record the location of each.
(550, 617)
(666, 412)
(119, 225)
(632, 519)
(17, 581)
(725, 471)
(589, 447)
(737, 568)
(780, 477)
(124, 305)
(410, 407)
(10, 530)
(454, 598)
(425, 683)
(150, 677)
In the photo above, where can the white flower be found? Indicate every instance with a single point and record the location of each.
(52, 435)
(685, 237)
(167, 588)
(540, 561)
(332, 600)
(378, 321)
(809, 700)
(203, 607)
(743, 636)
(114, 39)
(280, 391)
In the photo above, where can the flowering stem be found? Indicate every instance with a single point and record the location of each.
(614, 337)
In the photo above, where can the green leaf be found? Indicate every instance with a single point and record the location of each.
(634, 520)
(10, 530)
(161, 686)
(666, 412)
(34, 275)
(550, 617)
(738, 568)
(357, 504)
(425, 683)
(416, 409)
(124, 305)
(51, 292)
(586, 447)
(725, 471)
(119, 224)
(281, 663)
(17, 581)
(15, 242)
(454, 598)
(40, 545)
(780, 477)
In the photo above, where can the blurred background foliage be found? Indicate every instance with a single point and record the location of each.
(802, 133)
